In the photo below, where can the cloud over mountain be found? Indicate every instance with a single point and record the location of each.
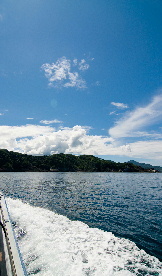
(45, 140)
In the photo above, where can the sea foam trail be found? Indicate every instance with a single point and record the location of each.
(53, 245)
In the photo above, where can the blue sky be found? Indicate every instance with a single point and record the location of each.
(82, 77)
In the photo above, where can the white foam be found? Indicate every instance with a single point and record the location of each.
(53, 245)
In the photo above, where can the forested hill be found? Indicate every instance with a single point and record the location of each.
(17, 162)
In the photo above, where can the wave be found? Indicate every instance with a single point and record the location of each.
(53, 245)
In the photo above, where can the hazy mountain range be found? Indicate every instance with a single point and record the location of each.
(145, 166)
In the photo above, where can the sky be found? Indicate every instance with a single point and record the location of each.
(82, 77)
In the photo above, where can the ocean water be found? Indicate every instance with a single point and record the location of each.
(87, 223)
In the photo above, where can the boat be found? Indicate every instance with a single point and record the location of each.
(11, 263)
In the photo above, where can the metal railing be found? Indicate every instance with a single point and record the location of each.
(13, 259)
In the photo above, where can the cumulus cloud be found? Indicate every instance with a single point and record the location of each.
(61, 73)
(40, 140)
(132, 123)
(14, 132)
(35, 139)
(120, 105)
(46, 122)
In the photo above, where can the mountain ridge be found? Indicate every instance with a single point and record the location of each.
(17, 162)
(146, 166)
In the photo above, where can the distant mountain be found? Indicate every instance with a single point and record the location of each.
(146, 166)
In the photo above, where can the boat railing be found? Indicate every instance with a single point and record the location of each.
(12, 258)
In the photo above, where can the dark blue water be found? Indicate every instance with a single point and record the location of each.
(127, 204)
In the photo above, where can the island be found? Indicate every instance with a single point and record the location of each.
(17, 162)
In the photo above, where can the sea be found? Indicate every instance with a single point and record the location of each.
(86, 224)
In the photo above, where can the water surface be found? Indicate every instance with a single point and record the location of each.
(125, 204)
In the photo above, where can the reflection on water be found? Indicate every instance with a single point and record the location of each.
(127, 204)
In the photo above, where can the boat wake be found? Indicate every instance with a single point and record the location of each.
(53, 245)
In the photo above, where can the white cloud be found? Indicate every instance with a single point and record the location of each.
(30, 118)
(14, 132)
(60, 74)
(133, 122)
(46, 122)
(113, 113)
(75, 81)
(83, 65)
(75, 62)
(141, 149)
(11, 136)
(1, 114)
(120, 105)
(36, 140)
